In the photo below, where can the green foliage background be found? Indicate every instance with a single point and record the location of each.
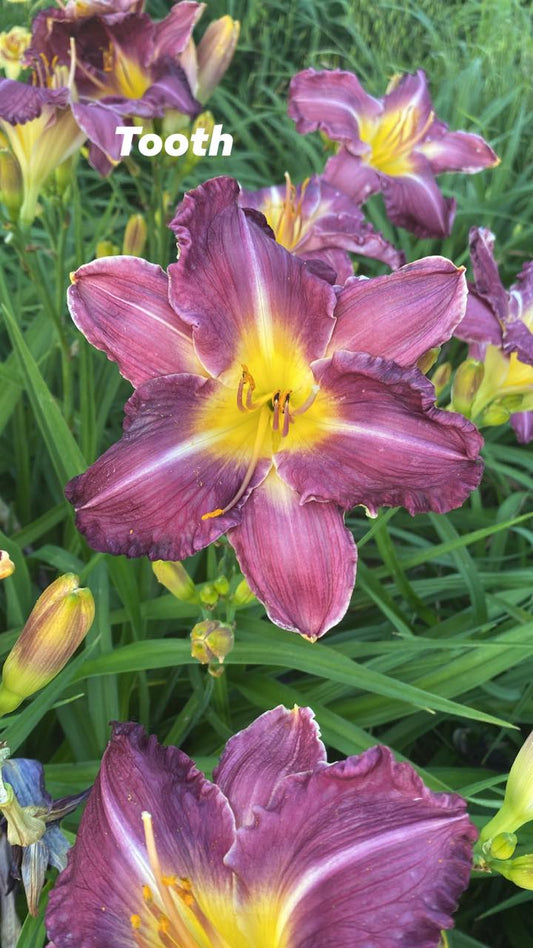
(435, 655)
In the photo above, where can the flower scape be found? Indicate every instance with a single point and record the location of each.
(234, 409)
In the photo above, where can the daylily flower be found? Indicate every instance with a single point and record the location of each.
(40, 130)
(499, 326)
(282, 850)
(320, 224)
(395, 145)
(30, 835)
(13, 45)
(126, 67)
(265, 405)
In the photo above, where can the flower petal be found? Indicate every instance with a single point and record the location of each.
(518, 331)
(20, 103)
(384, 442)
(107, 868)
(148, 493)
(408, 98)
(352, 176)
(121, 305)
(174, 32)
(518, 338)
(298, 559)
(522, 422)
(480, 323)
(456, 151)
(254, 761)
(333, 101)
(401, 315)
(359, 854)
(238, 288)
(487, 279)
(415, 202)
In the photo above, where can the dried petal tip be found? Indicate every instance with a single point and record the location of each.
(59, 621)
(175, 578)
(7, 565)
(211, 641)
(517, 806)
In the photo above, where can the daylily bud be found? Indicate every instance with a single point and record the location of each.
(64, 173)
(11, 187)
(59, 621)
(426, 361)
(495, 414)
(13, 45)
(519, 871)
(517, 806)
(215, 53)
(221, 585)
(135, 236)
(211, 641)
(106, 248)
(243, 594)
(175, 578)
(208, 595)
(501, 847)
(466, 383)
(441, 376)
(7, 565)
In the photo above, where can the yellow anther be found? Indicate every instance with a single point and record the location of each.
(135, 921)
(169, 880)
(185, 883)
(164, 924)
(147, 893)
(213, 513)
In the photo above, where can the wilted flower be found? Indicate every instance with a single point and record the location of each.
(211, 641)
(60, 619)
(266, 406)
(281, 850)
(13, 45)
(30, 837)
(499, 326)
(320, 224)
(395, 145)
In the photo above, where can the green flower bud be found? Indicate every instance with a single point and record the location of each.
(211, 641)
(466, 383)
(208, 595)
(442, 376)
(59, 621)
(174, 577)
(519, 871)
(135, 236)
(427, 361)
(243, 595)
(221, 585)
(501, 846)
(517, 806)
(11, 186)
(7, 565)
(106, 248)
(495, 414)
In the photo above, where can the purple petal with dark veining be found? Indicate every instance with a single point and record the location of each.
(193, 828)
(333, 101)
(385, 444)
(232, 281)
(456, 151)
(415, 202)
(121, 306)
(299, 559)
(147, 494)
(360, 854)
(409, 96)
(401, 315)
(174, 32)
(352, 176)
(480, 323)
(522, 422)
(254, 761)
(486, 276)
(20, 103)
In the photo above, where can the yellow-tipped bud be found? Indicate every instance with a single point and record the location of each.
(208, 595)
(519, 871)
(59, 621)
(7, 565)
(215, 53)
(442, 376)
(11, 186)
(135, 236)
(517, 806)
(466, 383)
(175, 578)
(221, 585)
(211, 641)
(106, 248)
(501, 847)
(427, 361)
(496, 414)
(243, 595)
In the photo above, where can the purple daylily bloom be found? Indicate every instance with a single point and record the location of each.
(321, 225)
(266, 405)
(282, 850)
(395, 145)
(125, 66)
(499, 326)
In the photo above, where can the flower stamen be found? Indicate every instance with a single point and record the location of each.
(256, 452)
